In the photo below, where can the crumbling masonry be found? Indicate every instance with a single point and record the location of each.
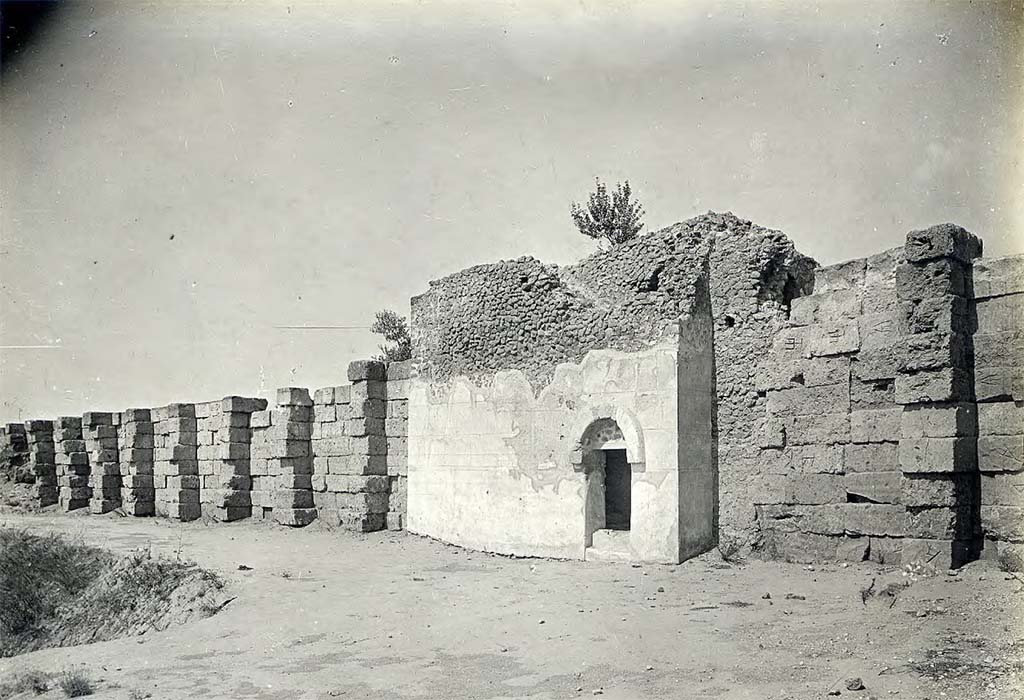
(702, 385)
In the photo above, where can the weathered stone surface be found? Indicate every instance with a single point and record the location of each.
(294, 517)
(798, 547)
(932, 351)
(937, 278)
(293, 396)
(879, 363)
(939, 523)
(811, 489)
(801, 401)
(1001, 453)
(943, 314)
(853, 549)
(937, 554)
(874, 519)
(241, 404)
(871, 457)
(1001, 348)
(932, 386)
(998, 383)
(845, 275)
(871, 395)
(826, 307)
(998, 276)
(1001, 418)
(886, 550)
(363, 370)
(937, 455)
(803, 372)
(877, 487)
(880, 280)
(878, 330)
(947, 490)
(1003, 522)
(804, 459)
(1001, 314)
(942, 241)
(875, 425)
(824, 429)
(1002, 489)
(833, 338)
(938, 420)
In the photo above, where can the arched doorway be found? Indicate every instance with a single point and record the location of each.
(607, 460)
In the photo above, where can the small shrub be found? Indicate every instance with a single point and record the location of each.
(75, 683)
(27, 681)
(396, 331)
(613, 218)
(138, 694)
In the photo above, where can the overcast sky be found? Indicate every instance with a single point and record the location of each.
(180, 180)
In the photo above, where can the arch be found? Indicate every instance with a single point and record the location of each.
(591, 433)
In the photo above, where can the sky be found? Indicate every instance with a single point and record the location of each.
(180, 182)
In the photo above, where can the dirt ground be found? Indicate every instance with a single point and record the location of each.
(324, 614)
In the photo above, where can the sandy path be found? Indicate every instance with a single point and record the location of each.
(328, 614)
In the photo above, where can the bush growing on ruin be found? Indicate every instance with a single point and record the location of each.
(609, 217)
(396, 332)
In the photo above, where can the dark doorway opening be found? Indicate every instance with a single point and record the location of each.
(617, 490)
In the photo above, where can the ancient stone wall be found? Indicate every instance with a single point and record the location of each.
(234, 458)
(999, 387)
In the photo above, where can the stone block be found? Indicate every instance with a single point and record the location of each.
(260, 419)
(363, 502)
(998, 383)
(942, 241)
(875, 425)
(290, 465)
(813, 489)
(936, 278)
(998, 276)
(293, 396)
(848, 274)
(1001, 453)
(355, 521)
(364, 370)
(398, 389)
(399, 370)
(801, 401)
(294, 517)
(227, 514)
(932, 351)
(799, 547)
(242, 404)
(835, 338)
(878, 330)
(395, 521)
(182, 482)
(131, 430)
(875, 487)
(938, 420)
(945, 314)
(183, 511)
(1002, 489)
(396, 427)
(946, 490)
(940, 523)
(824, 429)
(871, 457)
(933, 386)
(874, 519)
(875, 364)
(362, 464)
(999, 348)
(323, 396)
(96, 418)
(325, 413)
(136, 415)
(872, 395)
(880, 280)
(773, 433)
(360, 427)
(233, 451)
(826, 307)
(294, 481)
(347, 483)
(137, 481)
(938, 455)
(1001, 314)
(362, 391)
(939, 555)
(1003, 523)
(296, 414)
(369, 445)
(69, 423)
(1001, 418)
(885, 550)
